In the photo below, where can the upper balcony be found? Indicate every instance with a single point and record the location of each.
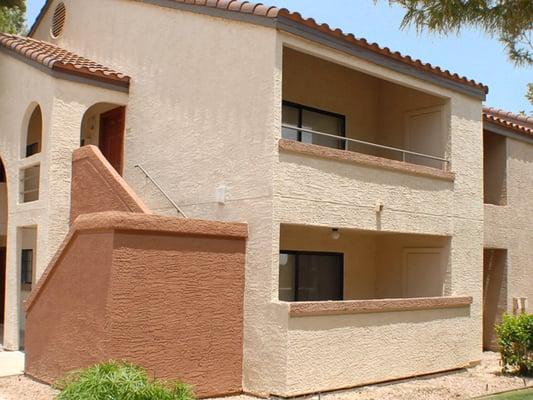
(354, 116)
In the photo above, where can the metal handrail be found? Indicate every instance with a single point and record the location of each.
(161, 190)
(347, 140)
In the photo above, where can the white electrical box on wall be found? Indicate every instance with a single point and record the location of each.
(220, 194)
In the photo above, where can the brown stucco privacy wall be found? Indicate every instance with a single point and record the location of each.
(162, 292)
(97, 187)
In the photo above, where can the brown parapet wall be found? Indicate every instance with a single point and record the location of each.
(162, 292)
(97, 186)
(302, 309)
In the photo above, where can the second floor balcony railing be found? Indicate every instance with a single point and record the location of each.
(406, 156)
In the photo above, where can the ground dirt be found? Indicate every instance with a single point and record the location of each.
(481, 380)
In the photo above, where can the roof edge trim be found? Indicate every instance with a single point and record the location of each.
(65, 74)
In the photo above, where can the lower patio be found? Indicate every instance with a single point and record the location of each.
(330, 264)
(365, 307)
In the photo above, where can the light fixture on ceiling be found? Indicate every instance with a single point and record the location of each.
(335, 234)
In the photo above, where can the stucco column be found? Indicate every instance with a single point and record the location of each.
(12, 305)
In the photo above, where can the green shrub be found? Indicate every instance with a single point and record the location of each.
(118, 380)
(515, 337)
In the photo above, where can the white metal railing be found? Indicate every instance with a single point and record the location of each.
(161, 190)
(347, 140)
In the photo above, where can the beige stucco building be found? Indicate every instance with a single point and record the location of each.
(378, 232)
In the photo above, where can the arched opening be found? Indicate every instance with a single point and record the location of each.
(34, 133)
(3, 245)
(103, 126)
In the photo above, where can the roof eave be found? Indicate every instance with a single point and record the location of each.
(60, 72)
(502, 128)
(336, 41)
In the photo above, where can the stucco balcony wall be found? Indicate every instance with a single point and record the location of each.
(375, 346)
(412, 202)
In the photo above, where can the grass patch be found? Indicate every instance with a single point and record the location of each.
(118, 380)
(525, 394)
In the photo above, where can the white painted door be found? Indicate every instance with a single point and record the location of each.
(425, 135)
(424, 273)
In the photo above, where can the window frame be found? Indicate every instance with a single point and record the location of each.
(297, 253)
(301, 108)
(29, 268)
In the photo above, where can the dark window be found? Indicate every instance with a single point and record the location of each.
(26, 270)
(310, 276)
(2, 173)
(32, 149)
(316, 120)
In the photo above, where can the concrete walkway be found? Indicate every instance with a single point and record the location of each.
(11, 363)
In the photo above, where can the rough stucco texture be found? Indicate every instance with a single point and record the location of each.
(96, 186)
(510, 226)
(169, 301)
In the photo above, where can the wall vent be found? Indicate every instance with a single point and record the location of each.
(58, 21)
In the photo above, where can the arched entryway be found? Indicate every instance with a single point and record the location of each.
(103, 126)
(3, 245)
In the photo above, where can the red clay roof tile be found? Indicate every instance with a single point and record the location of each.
(58, 59)
(506, 119)
(261, 10)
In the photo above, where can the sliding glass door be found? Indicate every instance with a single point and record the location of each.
(310, 276)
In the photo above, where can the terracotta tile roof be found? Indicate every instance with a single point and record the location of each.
(261, 10)
(58, 59)
(506, 119)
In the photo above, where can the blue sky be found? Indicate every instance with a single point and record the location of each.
(472, 53)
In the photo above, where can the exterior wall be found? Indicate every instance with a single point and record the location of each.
(204, 115)
(161, 292)
(197, 125)
(62, 104)
(511, 226)
(310, 190)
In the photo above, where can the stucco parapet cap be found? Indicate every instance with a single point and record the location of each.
(302, 309)
(363, 159)
(159, 224)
